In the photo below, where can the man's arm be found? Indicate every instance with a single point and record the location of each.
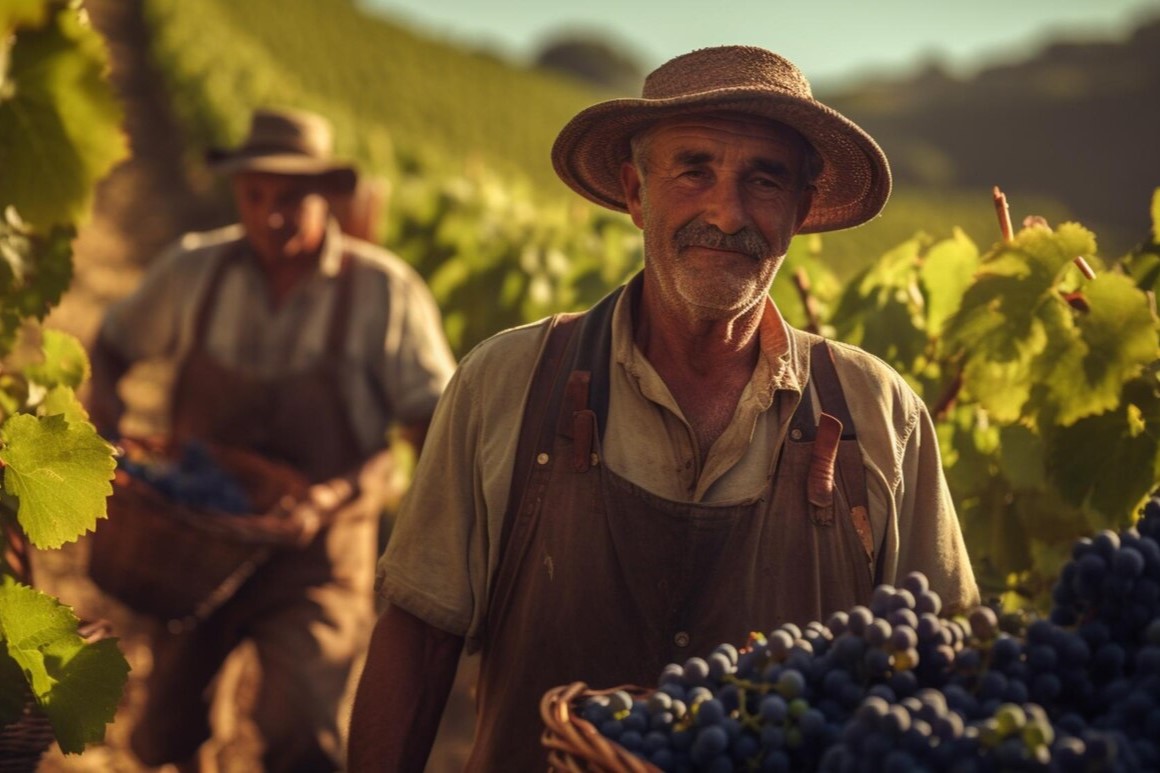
(408, 674)
(105, 405)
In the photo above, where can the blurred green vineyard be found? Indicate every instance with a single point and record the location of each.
(421, 112)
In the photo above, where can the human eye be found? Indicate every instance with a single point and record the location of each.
(765, 182)
(693, 174)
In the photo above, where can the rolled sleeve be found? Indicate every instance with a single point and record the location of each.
(416, 361)
(423, 569)
(445, 547)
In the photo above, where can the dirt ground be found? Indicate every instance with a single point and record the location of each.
(144, 204)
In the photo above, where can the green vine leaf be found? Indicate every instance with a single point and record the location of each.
(1108, 462)
(946, 272)
(77, 684)
(59, 118)
(13, 688)
(61, 473)
(20, 13)
(65, 361)
(1107, 345)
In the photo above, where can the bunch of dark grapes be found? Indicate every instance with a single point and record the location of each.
(195, 479)
(894, 685)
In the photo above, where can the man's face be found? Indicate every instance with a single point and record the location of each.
(284, 215)
(718, 199)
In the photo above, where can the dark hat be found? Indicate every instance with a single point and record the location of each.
(292, 142)
(854, 183)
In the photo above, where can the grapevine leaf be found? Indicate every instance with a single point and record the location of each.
(65, 361)
(1003, 387)
(19, 13)
(60, 471)
(59, 120)
(883, 309)
(62, 400)
(13, 688)
(1114, 340)
(1156, 216)
(1107, 462)
(1021, 457)
(77, 684)
(946, 272)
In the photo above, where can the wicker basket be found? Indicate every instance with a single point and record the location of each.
(24, 742)
(574, 745)
(178, 563)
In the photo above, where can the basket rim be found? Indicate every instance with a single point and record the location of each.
(254, 528)
(568, 734)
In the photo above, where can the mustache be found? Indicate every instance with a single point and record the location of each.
(698, 234)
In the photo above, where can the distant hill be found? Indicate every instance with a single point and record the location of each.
(1067, 133)
(1079, 122)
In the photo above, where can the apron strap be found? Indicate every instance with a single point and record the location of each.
(210, 296)
(846, 454)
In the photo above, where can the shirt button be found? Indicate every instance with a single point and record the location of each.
(681, 639)
(796, 434)
(542, 459)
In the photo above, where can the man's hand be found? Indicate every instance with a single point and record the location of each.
(306, 517)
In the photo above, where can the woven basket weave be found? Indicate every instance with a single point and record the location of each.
(179, 563)
(574, 744)
(24, 742)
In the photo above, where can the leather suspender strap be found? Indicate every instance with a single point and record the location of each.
(578, 341)
(830, 393)
(534, 425)
(833, 402)
(849, 456)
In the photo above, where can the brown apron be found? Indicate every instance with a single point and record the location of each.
(298, 419)
(603, 582)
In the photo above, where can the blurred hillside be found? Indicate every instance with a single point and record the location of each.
(1068, 133)
(1075, 122)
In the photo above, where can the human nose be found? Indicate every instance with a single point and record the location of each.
(726, 207)
(275, 219)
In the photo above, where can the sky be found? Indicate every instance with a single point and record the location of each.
(834, 43)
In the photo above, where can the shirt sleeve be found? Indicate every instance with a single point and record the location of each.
(930, 539)
(424, 569)
(445, 546)
(145, 324)
(417, 361)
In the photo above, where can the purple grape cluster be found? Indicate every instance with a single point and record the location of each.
(896, 686)
(194, 479)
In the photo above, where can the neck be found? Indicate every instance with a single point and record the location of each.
(285, 273)
(695, 343)
(706, 364)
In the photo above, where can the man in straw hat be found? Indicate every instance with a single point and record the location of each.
(298, 342)
(608, 493)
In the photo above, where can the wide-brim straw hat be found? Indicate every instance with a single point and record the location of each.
(855, 179)
(290, 142)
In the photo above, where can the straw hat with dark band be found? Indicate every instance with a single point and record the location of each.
(855, 179)
(292, 142)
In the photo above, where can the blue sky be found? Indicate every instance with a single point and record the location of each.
(833, 42)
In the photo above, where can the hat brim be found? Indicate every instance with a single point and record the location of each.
(330, 175)
(852, 188)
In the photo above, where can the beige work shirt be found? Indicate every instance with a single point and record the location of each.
(396, 354)
(444, 549)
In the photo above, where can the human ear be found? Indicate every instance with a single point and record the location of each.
(630, 181)
(805, 203)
